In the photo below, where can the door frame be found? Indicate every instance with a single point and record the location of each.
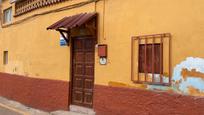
(71, 69)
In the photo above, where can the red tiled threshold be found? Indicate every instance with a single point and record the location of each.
(127, 101)
(48, 95)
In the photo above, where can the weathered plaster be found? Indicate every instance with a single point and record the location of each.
(141, 86)
(193, 73)
(188, 76)
(120, 84)
(188, 79)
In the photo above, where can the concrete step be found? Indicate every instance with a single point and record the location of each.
(66, 113)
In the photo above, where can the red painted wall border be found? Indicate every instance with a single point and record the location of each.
(130, 101)
(48, 95)
(51, 95)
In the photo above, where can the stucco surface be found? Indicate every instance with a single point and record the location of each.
(127, 101)
(48, 95)
(186, 83)
(35, 52)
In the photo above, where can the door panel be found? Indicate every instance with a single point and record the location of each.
(89, 58)
(79, 69)
(89, 71)
(79, 56)
(83, 72)
(77, 96)
(78, 83)
(88, 84)
(88, 99)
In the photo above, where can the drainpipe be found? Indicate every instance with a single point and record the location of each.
(1, 12)
(104, 11)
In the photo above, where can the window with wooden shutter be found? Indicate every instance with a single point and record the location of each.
(150, 60)
(151, 63)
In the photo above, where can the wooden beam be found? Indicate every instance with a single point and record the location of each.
(65, 38)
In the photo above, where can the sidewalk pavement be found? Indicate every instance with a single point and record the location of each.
(9, 107)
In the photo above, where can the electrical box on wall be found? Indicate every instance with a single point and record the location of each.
(102, 50)
(102, 53)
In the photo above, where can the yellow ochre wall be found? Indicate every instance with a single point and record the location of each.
(123, 19)
(35, 52)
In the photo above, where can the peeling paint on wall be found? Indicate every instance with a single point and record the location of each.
(120, 84)
(194, 91)
(141, 86)
(188, 77)
(193, 73)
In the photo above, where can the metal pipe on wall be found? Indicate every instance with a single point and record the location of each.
(1, 13)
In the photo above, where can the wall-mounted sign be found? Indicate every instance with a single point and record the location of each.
(62, 41)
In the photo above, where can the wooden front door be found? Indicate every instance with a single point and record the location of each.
(83, 71)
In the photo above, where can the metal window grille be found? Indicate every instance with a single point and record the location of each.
(150, 59)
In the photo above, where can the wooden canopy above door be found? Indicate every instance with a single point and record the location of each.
(67, 23)
(72, 21)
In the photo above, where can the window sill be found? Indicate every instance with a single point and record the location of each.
(151, 83)
(6, 24)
